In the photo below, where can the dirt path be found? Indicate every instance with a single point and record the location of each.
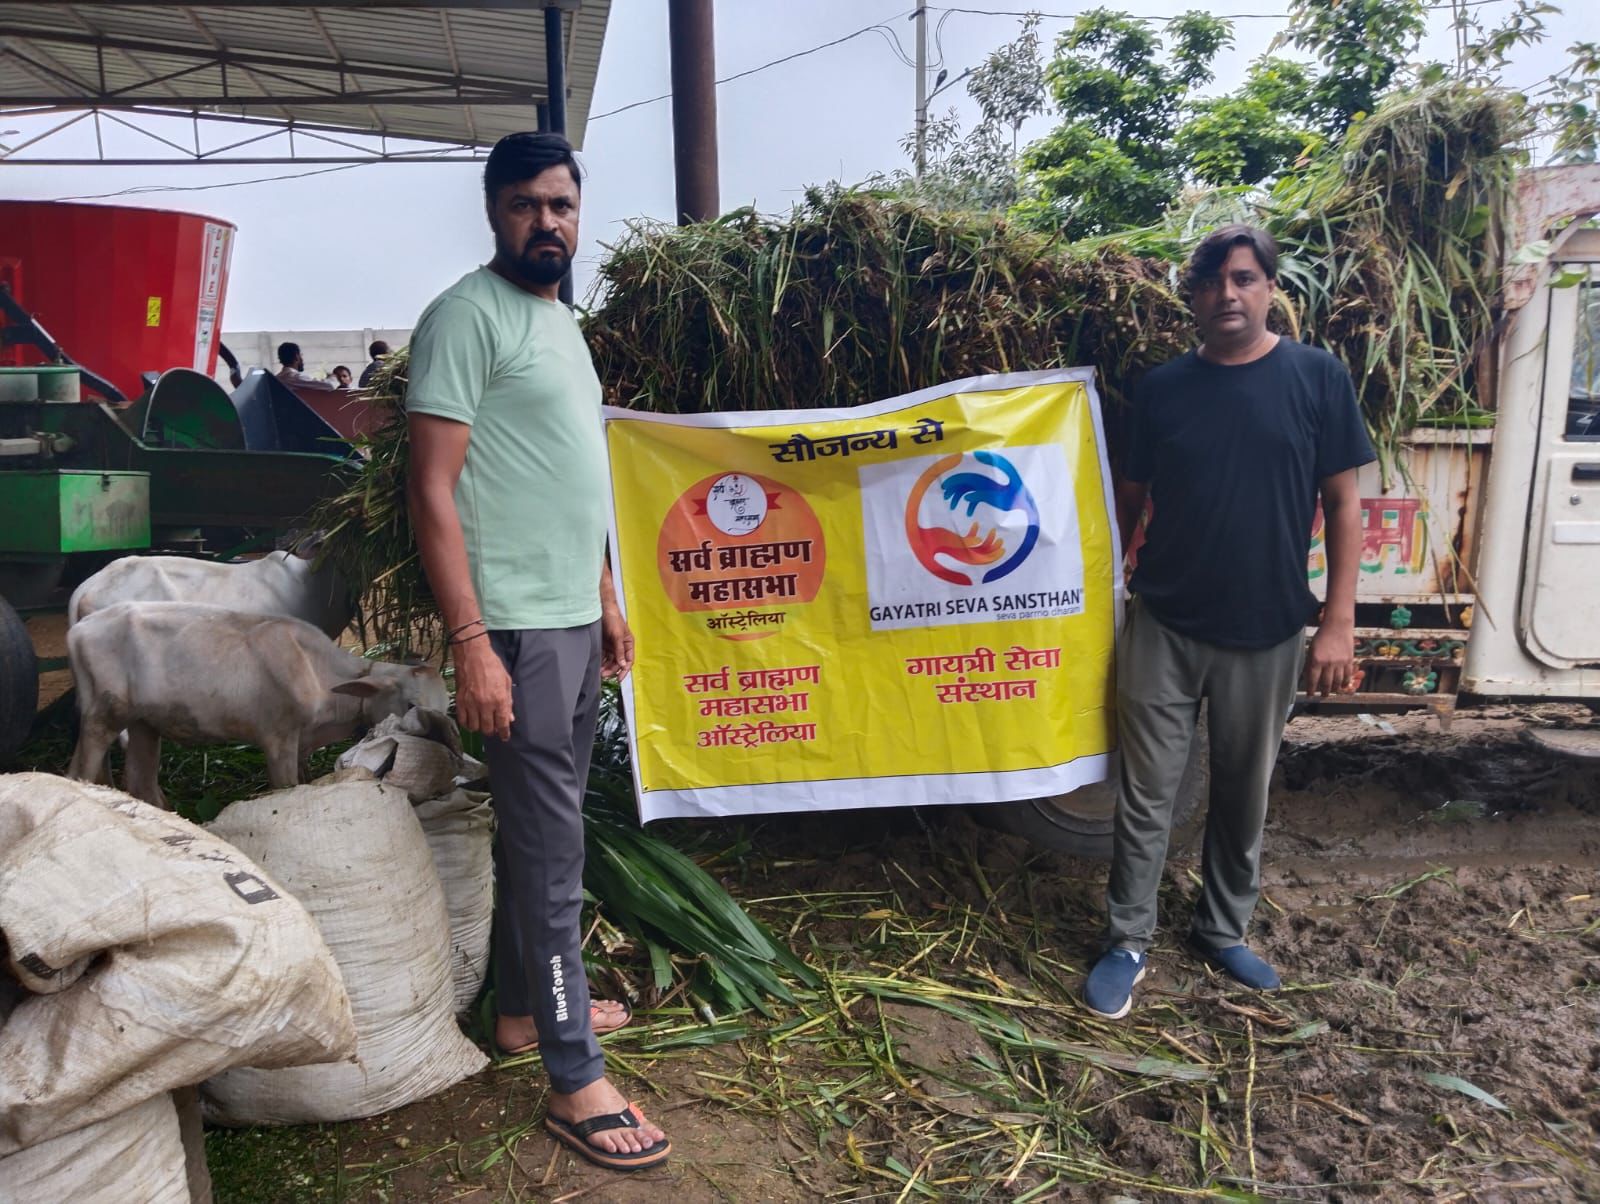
(1432, 901)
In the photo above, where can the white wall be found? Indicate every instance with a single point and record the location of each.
(322, 349)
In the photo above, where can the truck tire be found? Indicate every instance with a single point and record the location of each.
(1080, 822)
(19, 682)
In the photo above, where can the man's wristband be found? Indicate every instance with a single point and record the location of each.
(477, 635)
(450, 636)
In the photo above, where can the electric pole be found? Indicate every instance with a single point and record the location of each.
(694, 109)
(921, 18)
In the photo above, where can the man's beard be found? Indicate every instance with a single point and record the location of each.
(536, 265)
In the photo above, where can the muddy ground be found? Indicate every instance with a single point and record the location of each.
(1432, 902)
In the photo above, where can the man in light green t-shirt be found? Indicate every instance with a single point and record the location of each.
(507, 495)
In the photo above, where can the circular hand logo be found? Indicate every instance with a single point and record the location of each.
(978, 525)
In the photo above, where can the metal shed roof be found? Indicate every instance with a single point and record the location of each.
(460, 74)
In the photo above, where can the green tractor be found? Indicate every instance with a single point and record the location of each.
(185, 468)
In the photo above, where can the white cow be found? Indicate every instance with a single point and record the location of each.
(200, 674)
(280, 583)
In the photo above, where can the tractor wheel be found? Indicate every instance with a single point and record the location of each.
(19, 682)
(1080, 822)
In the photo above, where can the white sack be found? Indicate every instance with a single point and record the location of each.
(460, 832)
(155, 955)
(419, 752)
(353, 853)
(134, 1157)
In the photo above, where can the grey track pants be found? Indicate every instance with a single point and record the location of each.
(538, 779)
(1161, 679)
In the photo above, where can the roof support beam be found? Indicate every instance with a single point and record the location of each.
(554, 115)
(365, 72)
(555, 69)
(123, 100)
(305, 65)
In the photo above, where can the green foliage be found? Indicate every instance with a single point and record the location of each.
(978, 170)
(367, 530)
(1571, 109)
(860, 295)
(1252, 134)
(1136, 130)
(668, 902)
(1362, 45)
(1390, 261)
(1565, 109)
(1112, 162)
(1391, 247)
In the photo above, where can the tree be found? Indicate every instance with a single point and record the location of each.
(1572, 108)
(1566, 108)
(978, 170)
(1253, 134)
(1362, 45)
(1115, 160)
(1136, 129)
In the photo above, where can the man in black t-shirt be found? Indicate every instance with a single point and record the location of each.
(1231, 445)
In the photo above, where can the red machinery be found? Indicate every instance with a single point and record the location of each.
(129, 290)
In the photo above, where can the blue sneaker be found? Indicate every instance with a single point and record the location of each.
(1238, 963)
(1108, 991)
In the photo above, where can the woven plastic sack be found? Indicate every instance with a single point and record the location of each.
(134, 1157)
(460, 832)
(153, 955)
(354, 854)
(420, 753)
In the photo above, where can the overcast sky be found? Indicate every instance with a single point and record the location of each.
(369, 246)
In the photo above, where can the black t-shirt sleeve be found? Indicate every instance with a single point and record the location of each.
(1135, 442)
(1342, 441)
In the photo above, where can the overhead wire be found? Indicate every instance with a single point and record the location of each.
(139, 189)
(938, 41)
(1073, 16)
(893, 42)
(778, 62)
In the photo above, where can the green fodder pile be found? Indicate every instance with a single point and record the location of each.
(858, 296)
(367, 533)
(1393, 248)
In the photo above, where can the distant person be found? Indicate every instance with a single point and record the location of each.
(341, 377)
(292, 369)
(1232, 442)
(379, 351)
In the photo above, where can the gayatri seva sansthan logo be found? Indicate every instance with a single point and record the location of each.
(971, 519)
(980, 536)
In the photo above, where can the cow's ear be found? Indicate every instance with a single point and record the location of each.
(360, 687)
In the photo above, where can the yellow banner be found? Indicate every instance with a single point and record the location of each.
(905, 603)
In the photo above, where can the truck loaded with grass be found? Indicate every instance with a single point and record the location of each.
(1459, 286)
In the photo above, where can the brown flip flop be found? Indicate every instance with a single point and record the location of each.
(575, 1136)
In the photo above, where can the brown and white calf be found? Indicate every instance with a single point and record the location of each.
(279, 583)
(201, 674)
